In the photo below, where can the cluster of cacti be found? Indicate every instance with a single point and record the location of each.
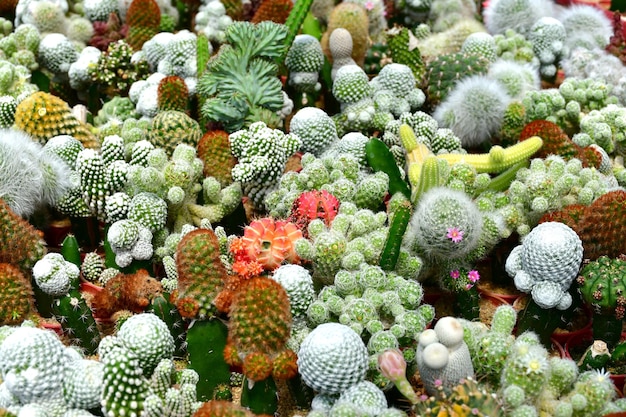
(315, 128)
(261, 153)
(512, 45)
(44, 116)
(603, 127)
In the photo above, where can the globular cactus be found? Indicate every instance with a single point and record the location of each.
(214, 150)
(44, 116)
(401, 42)
(16, 295)
(443, 358)
(173, 94)
(353, 18)
(275, 10)
(304, 61)
(143, 19)
(131, 292)
(315, 128)
(20, 243)
(201, 274)
(601, 285)
(444, 71)
(172, 127)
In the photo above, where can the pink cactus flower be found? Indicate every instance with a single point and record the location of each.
(455, 234)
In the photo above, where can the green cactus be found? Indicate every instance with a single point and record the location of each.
(601, 284)
(167, 312)
(172, 127)
(173, 94)
(399, 221)
(403, 50)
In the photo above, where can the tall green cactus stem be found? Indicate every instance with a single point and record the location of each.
(602, 285)
(206, 340)
(203, 53)
(429, 177)
(380, 158)
(71, 250)
(403, 48)
(502, 181)
(397, 227)
(294, 22)
(166, 311)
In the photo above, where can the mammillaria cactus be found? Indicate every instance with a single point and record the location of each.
(443, 357)
(548, 37)
(198, 286)
(261, 153)
(314, 140)
(332, 358)
(501, 15)
(601, 286)
(473, 109)
(171, 127)
(353, 18)
(83, 384)
(546, 264)
(304, 61)
(214, 150)
(297, 282)
(32, 364)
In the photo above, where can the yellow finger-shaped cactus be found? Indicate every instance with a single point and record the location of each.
(498, 159)
(416, 150)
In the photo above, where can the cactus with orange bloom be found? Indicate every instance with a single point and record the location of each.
(275, 10)
(143, 19)
(214, 150)
(264, 246)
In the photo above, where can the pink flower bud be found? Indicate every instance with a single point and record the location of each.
(392, 365)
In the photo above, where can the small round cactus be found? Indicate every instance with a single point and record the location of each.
(332, 358)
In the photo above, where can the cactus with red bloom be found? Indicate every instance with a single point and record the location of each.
(314, 204)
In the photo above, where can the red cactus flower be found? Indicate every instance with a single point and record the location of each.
(314, 204)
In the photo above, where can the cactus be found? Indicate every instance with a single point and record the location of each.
(167, 312)
(20, 243)
(44, 116)
(295, 20)
(601, 286)
(143, 19)
(443, 358)
(214, 150)
(275, 10)
(443, 72)
(201, 274)
(173, 94)
(117, 69)
(353, 18)
(399, 221)
(171, 127)
(131, 292)
(16, 295)
(403, 50)
(310, 205)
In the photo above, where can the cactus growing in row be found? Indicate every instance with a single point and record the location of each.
(601, 286)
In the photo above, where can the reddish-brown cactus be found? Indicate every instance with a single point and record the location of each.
(601, 226)
(313, 204)
(143, 19)
(222, 408)
(201, 274)
(556, 142)
(105, 33)
(16, 296)
(173, 94)
(275, 10)
(132, 292)
(20, 243)
(214, 150)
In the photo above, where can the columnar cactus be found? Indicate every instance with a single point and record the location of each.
(601, 285)
(304, 62)
(20, 243)
(214, 150)
(143, 18)
(16, 295)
